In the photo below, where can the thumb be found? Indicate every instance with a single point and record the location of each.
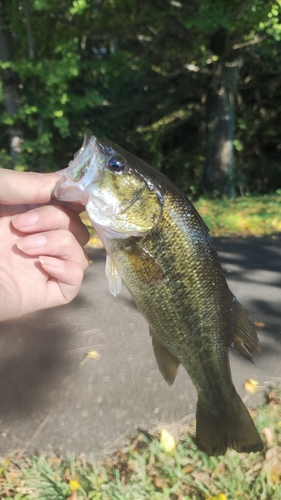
(26, 187)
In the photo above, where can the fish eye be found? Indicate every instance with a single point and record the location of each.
(116, 164)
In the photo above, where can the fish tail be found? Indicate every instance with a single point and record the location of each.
(229, 427)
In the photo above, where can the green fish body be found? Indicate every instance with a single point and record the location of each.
(159, 246)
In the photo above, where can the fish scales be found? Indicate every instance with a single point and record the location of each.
(179, 299)
(160, 247)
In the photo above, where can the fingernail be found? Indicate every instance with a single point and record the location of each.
(24, 220)
(51, 262)
(32, 241)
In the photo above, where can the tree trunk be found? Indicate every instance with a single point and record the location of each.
(10, 85)
(31, 52)
(219, 164)
(31, 55)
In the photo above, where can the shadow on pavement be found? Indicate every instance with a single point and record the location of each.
(252, 254)
(252, 267)
(31, 360)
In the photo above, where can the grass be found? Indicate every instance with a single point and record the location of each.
(244, 216)
(144, 471)
(248, 216)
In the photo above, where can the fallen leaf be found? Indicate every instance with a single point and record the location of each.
(221, 496)
(187, 469)
(272, 468)
(91, 354)
(14, 476)
(67, 473)
(271, 453)
(158, 481)
(202, 476)
(55, 461)
(219, 470)
(267, 431)
(274, 397)
(253, 413)
(274, 476)
(167, 442)
(73, 496)
(251, 386)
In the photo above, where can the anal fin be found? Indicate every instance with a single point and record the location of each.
(243, 333)
(167, 363)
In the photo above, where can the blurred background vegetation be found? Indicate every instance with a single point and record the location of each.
(192, 87)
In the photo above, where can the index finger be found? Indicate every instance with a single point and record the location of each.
(26, 187)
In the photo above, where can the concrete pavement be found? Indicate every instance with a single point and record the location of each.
(48, 401)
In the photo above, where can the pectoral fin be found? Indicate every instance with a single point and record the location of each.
(113, 276)
(167, 363)
(244, 333)
(145, 266)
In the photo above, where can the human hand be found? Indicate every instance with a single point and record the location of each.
(41, 245)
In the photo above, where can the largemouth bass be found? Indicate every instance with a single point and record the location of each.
(159, 246)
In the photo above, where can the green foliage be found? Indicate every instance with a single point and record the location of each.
(139, 76)
(209, 17)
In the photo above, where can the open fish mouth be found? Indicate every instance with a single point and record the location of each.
(81, 172)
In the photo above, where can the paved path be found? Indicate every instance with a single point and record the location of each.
(48, 401)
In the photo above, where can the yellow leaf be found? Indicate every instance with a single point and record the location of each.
(74, 485)
(259, 324)
(251, 386)
(91, 354)
(274, 477)
(221, 496)
(167, 442)
(58, 113)
(14, 476)
(55, 461)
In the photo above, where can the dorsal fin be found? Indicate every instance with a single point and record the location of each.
(243, 332)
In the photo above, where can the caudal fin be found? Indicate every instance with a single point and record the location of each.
(232, 427)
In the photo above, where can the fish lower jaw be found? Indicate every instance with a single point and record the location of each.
(71, 192)
(108, 233)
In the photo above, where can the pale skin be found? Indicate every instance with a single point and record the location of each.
(42, 259)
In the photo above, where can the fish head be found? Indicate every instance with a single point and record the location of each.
(121, 197)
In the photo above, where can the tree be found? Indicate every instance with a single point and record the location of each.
(164, 79)
(10, 85)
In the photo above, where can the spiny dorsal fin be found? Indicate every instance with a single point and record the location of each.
(167, 363)
(244, 333)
